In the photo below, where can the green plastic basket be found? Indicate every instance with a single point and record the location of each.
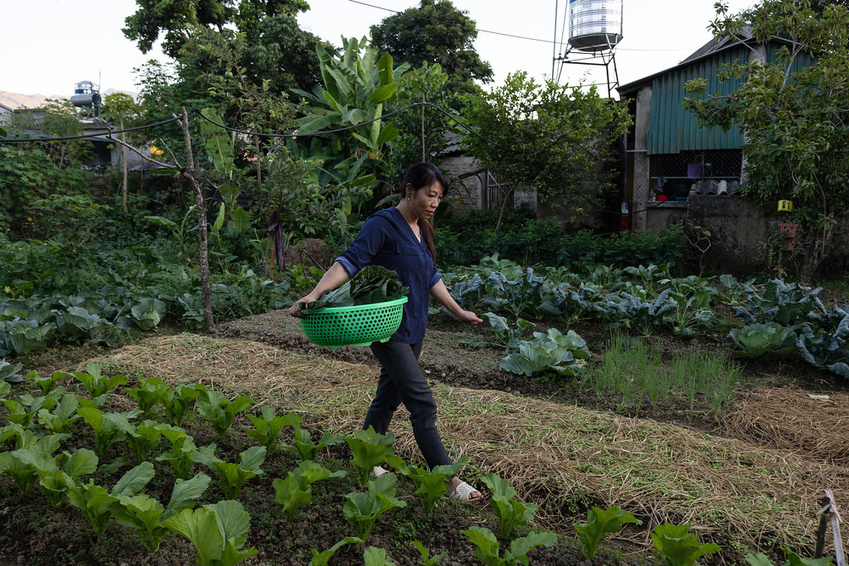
(359, 325)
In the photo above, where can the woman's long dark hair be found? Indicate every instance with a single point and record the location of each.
(419, 176)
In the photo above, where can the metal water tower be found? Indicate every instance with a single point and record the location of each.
(595, 25)
(595, 29)
(87, 95)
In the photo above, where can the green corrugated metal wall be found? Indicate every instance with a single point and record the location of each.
(672, 129)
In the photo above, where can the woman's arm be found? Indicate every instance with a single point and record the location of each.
(333, 278)
(440, 292)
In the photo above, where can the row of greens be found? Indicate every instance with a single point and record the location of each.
(45, 427)
(43, 445)
(779, 318)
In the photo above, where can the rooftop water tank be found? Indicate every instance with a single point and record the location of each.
(595, 25)
(86, 94)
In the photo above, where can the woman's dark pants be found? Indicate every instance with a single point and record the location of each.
(402, 381)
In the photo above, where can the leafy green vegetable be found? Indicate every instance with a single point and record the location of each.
(510, 512)
(95, 382)
(599, 523)
(45, 384)
(551, 351)
(178, 402)
(363, 509)
(488, 549)
(150, 393)
(372, 284)
(307, 449)
(148, 313)
(268, 427)
(96, 501)
(788, 304)
(322, 558)
(144, 514)
(180, 455)
(295, 491)
(759, 339)
(425, 555)
(370, 449)
(793, 559)
(677, 546)
(218, 531)
(8, 370)
(826, 347)
(232, 475)
(106, 432)
(220, 411)
(431, 485)
(62, 416)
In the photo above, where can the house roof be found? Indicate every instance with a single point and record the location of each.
(707, 50)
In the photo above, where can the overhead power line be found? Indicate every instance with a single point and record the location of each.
(111, 132)
(504, 34)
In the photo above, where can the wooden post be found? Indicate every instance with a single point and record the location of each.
(829, 513)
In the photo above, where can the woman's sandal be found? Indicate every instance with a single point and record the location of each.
(463, 492)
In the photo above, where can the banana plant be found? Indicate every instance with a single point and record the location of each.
(359, 87)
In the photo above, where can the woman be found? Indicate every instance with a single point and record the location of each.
(401, 239)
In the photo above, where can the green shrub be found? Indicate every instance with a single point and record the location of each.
(466, 239)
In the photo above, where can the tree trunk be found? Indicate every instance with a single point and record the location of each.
(814, 256)
(503, 207)
(192, 173)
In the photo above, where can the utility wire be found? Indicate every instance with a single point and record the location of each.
(293, 135)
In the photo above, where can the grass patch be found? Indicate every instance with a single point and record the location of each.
(636, 373)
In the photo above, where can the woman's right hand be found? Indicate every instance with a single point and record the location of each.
(333, 278)
(295, 309)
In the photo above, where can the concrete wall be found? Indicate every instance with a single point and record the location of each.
(738, 229)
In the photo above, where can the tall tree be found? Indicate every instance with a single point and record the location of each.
(120, 105)
(551, 138)
(435, 32)
(178, 19)
(794, 117)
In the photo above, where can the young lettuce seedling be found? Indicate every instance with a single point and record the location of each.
(218, 531)
(268, 427)
(370, 449)
(232, 476)
(599, 523)
(295, 491)
(220, 411)
(677, 546)
(488, 548)
(363, 509)
(510, 512)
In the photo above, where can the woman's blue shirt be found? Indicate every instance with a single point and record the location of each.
(388, 241)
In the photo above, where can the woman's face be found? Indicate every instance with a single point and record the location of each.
(424, 201)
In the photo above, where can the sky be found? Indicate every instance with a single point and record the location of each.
(47, 46)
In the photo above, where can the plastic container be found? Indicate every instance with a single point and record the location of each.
(359, 325)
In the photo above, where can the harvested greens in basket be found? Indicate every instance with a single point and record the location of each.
(372, 284)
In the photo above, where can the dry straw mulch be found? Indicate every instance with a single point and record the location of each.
(562, 457)
(816, 426)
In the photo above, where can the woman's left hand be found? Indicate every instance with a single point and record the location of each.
(468, 317)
